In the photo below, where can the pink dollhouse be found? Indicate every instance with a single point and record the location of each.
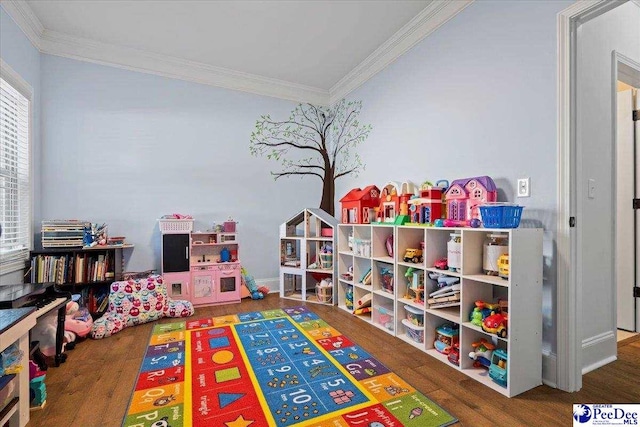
(358, 205)
(465, 195)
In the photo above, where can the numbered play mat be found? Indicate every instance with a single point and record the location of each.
(271, 368)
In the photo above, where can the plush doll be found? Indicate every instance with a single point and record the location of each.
(78, 322)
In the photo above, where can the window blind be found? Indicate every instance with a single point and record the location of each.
(15, 215)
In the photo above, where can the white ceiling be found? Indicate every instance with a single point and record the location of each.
(300, 50)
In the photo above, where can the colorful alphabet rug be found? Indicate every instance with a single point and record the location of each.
(271, 368)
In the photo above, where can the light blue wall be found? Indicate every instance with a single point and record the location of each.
(18, 52)
(477, 97)
(125, 148)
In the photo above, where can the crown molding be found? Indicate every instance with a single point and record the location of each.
(59, 44)
(16, 80)
(26, 20)
(432, 17)
(428, 20)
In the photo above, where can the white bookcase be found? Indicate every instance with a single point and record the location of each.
(522, 289)
(304, 261)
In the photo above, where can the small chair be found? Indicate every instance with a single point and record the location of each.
(136, 301)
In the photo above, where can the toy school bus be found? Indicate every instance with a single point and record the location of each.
(503, 266)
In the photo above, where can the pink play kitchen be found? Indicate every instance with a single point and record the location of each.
(201, 266)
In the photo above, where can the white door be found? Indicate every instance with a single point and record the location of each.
(627, 186)
(636, 134)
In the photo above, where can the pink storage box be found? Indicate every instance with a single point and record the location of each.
(229, 226)
(326, 232)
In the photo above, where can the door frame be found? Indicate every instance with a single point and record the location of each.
(618, 59)
(568, 294)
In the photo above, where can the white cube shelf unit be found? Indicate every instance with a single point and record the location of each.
(305, 264)
(364, 247)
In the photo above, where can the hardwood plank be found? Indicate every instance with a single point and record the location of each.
(94, 386)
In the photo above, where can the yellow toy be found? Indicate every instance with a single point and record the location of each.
(503, 266)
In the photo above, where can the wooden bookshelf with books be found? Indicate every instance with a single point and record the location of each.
(87, 270)
(77, 266)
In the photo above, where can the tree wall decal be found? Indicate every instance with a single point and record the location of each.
(325, 139)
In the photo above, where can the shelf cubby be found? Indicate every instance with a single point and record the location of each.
(522, 291)
(308, 252)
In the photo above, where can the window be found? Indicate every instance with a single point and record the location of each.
(15, 171)
(353, 215)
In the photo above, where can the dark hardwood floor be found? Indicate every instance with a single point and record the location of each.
(93, 387)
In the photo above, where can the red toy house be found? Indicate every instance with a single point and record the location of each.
(408, 191)
(427, 207)
(389, 203)
(358, 205)
(394, 200)
(465, 195)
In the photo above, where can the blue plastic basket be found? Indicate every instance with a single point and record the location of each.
(501, 215)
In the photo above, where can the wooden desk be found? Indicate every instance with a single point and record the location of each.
(15, 324)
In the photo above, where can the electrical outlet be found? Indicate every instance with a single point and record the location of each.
(524, 187)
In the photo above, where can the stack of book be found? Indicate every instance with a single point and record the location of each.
(447, 295)
(96, 300)
(445, 300)
(63, 233)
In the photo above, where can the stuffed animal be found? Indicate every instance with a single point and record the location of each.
(78, 321)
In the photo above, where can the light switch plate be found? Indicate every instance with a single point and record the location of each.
(591, 189)
(524, 187)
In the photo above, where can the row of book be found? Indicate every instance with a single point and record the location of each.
(72, 268)
(96, 299)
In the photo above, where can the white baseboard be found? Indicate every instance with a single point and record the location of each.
(549, 369)
(272, 283)
(598, 350)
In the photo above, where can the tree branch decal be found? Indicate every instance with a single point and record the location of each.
(329, 135)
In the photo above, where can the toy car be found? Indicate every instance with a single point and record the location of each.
(454, 354)
(503, 266)
(441, 264)
(481, 311)
(413, 255)
(446, 337)
(495, 324)
(498, 368)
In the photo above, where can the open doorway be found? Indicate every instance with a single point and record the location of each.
(627, 183)
(588, 32)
